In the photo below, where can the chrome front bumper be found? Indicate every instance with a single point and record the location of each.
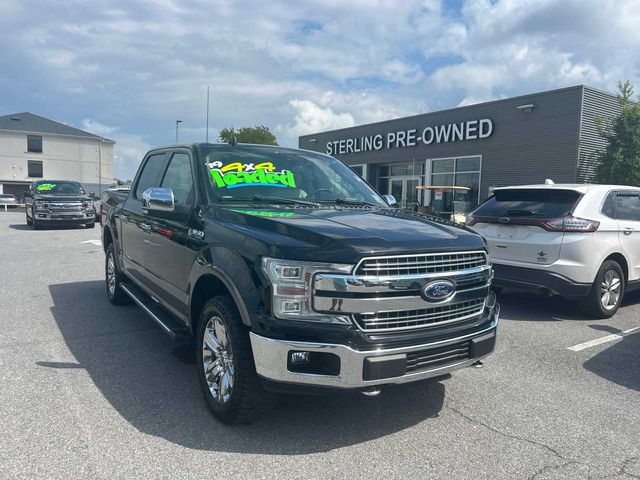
(272, 359)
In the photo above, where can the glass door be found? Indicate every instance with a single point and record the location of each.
(403, 188)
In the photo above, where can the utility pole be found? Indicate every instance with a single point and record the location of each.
(178, 122)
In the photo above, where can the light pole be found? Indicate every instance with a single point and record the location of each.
(178, 122)
(100, 168)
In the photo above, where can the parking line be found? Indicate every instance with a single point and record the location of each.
(601, 340)
(93, 242)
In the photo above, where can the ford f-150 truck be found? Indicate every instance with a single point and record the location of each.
(58, 202)
(292, 274)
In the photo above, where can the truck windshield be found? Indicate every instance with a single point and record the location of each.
(59, 188)
(247, 173)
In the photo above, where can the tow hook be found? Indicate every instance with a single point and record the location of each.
(478, 364)
(371, 391)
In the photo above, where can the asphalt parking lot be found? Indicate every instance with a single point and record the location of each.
(89, 390)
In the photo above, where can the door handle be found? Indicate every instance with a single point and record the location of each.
(628, 230)
(145, 226)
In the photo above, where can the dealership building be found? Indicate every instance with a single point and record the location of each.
(513, 141)
(34, 148)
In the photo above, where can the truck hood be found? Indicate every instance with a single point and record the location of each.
(346, 235)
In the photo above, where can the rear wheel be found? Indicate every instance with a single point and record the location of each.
(114, 279)
(226, 371)
(607, 292)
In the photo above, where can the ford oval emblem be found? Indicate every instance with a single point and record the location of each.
(504, 219)
(439, 290)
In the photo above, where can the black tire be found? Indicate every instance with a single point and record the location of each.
(593, 304)
(35, 224)
(91, 225)
(116, 295)
(246, 400)
(29, 221)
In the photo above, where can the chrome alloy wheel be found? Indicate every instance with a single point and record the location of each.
(217, 360)
(610, 289)
(111, 274)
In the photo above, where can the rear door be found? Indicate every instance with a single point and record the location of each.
(627, 212)
(511, 223)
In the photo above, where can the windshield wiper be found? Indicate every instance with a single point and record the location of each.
(522, 212)
(283, 200)
(353, 201)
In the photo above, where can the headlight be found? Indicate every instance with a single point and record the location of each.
(291, 284)
(40, 205)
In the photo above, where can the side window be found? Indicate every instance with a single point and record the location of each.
(628, 207)
(179, 178)
(607, 206)
(151, 173)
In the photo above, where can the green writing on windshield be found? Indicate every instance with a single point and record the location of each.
(45, 187)
(236, 174)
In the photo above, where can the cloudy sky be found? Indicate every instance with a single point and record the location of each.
(128, 69)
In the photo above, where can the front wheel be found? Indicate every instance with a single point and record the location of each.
(91, 225)
(607, 292)
(29, 221)
(226, 371)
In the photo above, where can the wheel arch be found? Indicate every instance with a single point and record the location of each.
(620, 259)
(211, 283)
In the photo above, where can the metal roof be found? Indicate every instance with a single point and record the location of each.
(28, 122)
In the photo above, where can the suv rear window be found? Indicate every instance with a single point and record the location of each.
(541, 203)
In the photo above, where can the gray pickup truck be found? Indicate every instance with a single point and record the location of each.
(59, 202)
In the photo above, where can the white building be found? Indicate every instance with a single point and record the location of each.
(34, 147)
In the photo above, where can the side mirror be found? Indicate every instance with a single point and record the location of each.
(390, 199)
(157, 199)
(92, 194)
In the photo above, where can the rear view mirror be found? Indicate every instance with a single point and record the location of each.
(158, 199)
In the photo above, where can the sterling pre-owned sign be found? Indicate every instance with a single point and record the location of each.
(450, 132)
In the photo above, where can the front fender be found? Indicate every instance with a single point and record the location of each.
(233, 272)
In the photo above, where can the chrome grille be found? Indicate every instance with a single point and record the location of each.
(421, 264)
(435, 357)
(383, 322)
(64, 207)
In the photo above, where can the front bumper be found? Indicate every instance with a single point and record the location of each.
(355, 369)
(77, 218)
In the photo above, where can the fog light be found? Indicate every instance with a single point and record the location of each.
(292, 307)
(299, 358)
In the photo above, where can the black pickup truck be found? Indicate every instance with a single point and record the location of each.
(292, 274)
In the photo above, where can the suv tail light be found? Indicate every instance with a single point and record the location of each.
(561, 224)
(570, 224)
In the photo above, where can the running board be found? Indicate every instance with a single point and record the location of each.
(172, 327)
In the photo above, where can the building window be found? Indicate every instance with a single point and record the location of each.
(459, 172)
(361, 170)
(34, 144)
(34, 168)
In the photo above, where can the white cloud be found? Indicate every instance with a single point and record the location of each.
(128, 151)
(301, 67)
(310, 117)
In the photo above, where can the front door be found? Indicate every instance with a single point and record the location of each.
(166, 238)
(403, 188)
(132, 219)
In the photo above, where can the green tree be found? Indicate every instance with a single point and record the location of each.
(258, 134)
(619, 163)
